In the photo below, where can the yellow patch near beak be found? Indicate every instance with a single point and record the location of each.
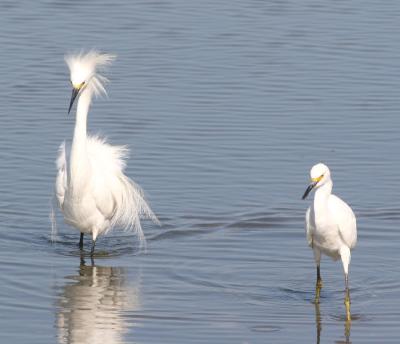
(78, 86)
(316, 180)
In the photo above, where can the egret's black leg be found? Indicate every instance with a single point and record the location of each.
(346, 281)
(319, 279)
(82, 256)
(318, 285)
(81, 242)
(92, 250)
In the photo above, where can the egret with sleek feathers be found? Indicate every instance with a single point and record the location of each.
(91, 188)
(330, 227)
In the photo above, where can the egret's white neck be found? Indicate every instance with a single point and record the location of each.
(82, 110)
(321, 197)
(79, 163)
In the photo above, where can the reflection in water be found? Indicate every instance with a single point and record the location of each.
(91, 307)
(318, 323)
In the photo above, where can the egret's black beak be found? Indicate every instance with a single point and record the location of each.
(75, 92)
(310, 187)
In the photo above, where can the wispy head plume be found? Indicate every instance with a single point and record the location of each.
(85, 67)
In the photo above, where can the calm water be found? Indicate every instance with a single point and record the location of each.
(226, 105)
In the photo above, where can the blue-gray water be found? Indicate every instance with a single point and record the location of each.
(226, 105)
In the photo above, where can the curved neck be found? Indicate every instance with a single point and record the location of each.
(79, 162)
(82, 110)
(321, 196)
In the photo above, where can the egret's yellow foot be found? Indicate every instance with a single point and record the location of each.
(348, 314)
(347, 304)
(317, 292)
(347, 297)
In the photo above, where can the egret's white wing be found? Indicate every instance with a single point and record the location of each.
(61, 179)
(345, 220)
(309, 227)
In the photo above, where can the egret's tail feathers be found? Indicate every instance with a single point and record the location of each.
(131, 207)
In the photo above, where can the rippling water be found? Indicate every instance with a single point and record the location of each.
(225, 105)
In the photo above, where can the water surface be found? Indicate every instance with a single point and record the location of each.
(226, 105)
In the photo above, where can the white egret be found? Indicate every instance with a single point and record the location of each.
(92, 191)
(330, 226)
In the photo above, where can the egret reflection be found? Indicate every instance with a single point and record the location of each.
(91, 306)
(318, 323)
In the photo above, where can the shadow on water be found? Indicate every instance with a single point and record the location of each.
(91, 303)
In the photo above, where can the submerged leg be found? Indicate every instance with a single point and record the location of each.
(319, 279)
(92, 250)
(81, 242)
(347, 327)
(347, 298)
(82, 256)
(318, 322)
(346, 282)
(318, 285)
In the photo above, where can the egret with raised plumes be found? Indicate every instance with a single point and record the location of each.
(330, 227)
(91, 188)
